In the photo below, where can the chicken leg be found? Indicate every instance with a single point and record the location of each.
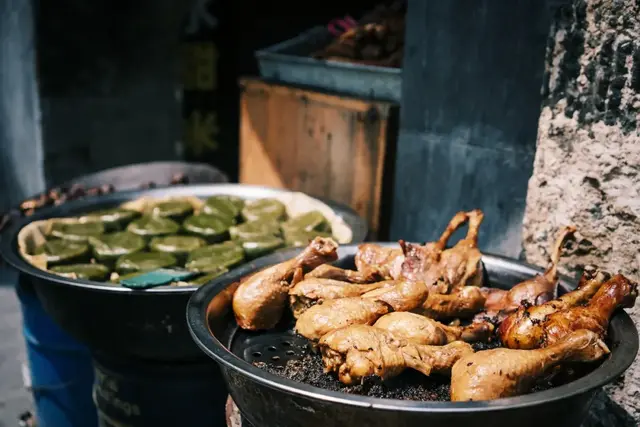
(525, 328)
(327, 271)
(618, 292)
(313, 291)
(538, 290)
(365, 310)
(361, 351)
(422, 330)
(503, 372)
(462, 303)
(260, 300)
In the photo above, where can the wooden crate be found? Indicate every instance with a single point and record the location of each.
(324, 145)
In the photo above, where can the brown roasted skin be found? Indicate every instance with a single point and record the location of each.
(421, 261)
(461, 265)
(323, 318)
(360, 351)
(259, 301)
(312, 291)
(327, 271)
(535, 291)
(365, 310)
(502, 372)
(618, 292)
(385, 260)
(461, 304)
(422, 330)
(542, 325)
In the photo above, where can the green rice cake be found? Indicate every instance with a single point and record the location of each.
(109, 247)
(144, 261)
(210, 227)
(113, 219)
(223, 206)
(76, 231)
(178, 246)
(254, 229)
(264, 208)
(153, 226)
(97, 272)
(174, 209)
(310, 221)
(212, 257)
(262, 246)
(63, 251)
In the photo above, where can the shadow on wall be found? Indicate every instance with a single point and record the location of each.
(21, 158)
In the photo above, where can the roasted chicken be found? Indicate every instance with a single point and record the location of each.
(365, 310)
(336, 273)
(421, 262)
(461, 304)
(503, 372)
(260, 300)
(361, 351)
(450, 269)
(313, 290)
(422, 330)
(546, 324)
(385, 260)
(388, 262)
(535, 291)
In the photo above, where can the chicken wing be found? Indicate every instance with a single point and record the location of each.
(527, 327)
(422, 330)
(503, 372)
(361, 351)
(260, 300)
(538, 290)
(313, 291)
(462, 303)
(334, 314)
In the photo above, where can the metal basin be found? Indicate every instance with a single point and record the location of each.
(268, 400)
(142, 324)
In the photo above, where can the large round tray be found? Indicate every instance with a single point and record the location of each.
(145, 324)
(267, 400)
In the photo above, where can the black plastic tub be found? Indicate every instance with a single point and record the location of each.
(267, 400)
(115, 320)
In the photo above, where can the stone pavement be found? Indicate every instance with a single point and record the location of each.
(14, 398)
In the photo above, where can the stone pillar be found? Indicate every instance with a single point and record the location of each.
(587, 163)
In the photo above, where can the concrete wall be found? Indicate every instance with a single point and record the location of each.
(471, 100)
(587, 164)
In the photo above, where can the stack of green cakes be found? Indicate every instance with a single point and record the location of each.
(171, 234)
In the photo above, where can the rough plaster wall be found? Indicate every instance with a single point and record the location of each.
(587, 164)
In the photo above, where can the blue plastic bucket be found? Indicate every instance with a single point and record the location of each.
(61, 369)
